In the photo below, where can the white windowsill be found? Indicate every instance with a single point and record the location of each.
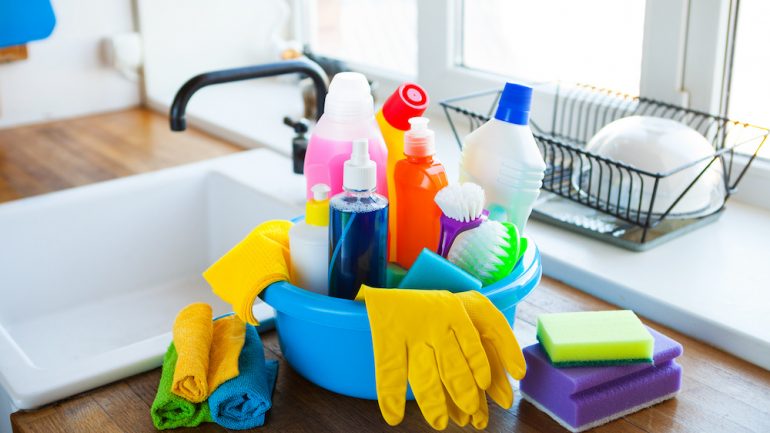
(712, 284)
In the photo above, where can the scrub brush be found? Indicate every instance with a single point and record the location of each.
(462, 207)
(489, 252)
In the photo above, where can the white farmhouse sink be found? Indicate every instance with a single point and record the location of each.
(91, 278)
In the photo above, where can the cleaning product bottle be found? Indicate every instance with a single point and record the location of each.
(409, 100)
(358, 228)
(417, 180)
(348, 114)
(503, 157)
(309, 244)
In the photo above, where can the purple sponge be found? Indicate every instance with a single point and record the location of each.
(580, 398)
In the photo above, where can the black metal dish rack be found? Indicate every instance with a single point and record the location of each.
(615, 210)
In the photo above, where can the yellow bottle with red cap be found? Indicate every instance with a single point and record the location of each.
(408, 101)
(417, 177)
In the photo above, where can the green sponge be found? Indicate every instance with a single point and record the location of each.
(594, 338)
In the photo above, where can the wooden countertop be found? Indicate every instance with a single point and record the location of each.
(720, 393)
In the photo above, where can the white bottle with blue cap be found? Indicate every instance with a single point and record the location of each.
(503, 157)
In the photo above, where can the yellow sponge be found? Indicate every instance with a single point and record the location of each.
(594, 338)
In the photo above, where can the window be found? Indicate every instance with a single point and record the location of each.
(368, 33)
(590, 41)
(675, 51)
(749, 85)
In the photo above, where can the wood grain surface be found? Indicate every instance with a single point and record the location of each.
(49, 157)
(720, 393)
(13, 53)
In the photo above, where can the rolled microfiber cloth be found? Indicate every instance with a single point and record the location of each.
(207, 353)
(580, 398)
(431, 271)
(168, 410)
(594, 338)
(241, 402)
(192, 332)
(226, 347)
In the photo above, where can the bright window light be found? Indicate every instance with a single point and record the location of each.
(749, 84)
(589, 41)
(378, 33)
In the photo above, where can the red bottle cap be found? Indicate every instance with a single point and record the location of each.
(409, 100)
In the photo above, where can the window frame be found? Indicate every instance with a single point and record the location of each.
(686, 60)
(305, 31)
(672, 72)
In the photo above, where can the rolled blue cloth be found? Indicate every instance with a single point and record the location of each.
(241, 402)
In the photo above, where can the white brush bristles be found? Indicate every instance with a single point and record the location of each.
(462, 202)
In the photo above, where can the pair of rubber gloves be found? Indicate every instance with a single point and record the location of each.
(453, 348)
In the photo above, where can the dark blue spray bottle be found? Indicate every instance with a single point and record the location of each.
(358, 228)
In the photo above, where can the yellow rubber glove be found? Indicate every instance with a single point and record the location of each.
(425, 337)
(260, 259)
(478, 419)
(503, 352)
(500, 345)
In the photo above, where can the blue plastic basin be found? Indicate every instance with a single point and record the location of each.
(328, 340)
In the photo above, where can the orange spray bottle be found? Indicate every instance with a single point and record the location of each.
(409, 100)
(417, 178)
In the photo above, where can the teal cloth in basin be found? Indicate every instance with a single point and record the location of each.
(431, 271)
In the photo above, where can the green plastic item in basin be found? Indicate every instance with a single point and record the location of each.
(511, 256)
(394, 274)
(594, 338)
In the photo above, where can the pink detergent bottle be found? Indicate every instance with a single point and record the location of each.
(348, 115)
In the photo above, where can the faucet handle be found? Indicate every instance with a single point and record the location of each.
(300, 126)
(299, 143)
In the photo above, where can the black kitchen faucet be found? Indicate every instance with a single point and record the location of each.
(304, 66)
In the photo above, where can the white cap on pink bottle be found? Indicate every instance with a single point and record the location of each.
(349, 96)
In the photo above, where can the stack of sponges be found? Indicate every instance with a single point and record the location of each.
(591, 368)
(213, 371)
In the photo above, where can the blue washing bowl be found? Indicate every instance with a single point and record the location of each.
(328, 340)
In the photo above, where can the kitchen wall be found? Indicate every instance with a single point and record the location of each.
(65, 75)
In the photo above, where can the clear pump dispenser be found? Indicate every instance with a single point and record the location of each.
(358, 228)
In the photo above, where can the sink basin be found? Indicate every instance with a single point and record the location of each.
(91, 278)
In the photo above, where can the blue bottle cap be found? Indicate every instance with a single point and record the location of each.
(514, 104)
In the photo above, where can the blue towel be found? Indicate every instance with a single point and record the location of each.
(241, 402)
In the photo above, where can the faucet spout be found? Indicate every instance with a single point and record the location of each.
(307, 67)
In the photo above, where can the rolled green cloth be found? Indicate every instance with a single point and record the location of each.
(171, 411)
